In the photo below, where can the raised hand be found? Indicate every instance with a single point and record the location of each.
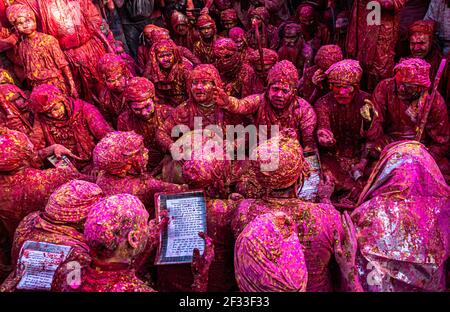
(318, 77)
(325, 137)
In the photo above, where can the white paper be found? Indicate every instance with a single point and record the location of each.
(38, 263)
(186, 220)
(310, 185)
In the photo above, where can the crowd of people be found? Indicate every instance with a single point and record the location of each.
(93, 94)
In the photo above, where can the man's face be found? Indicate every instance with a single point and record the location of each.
(206, 31)
(306, 17)
(420, 45)
(343, 92)
(290, 39)
(25, 25)
(202, 90)
(408, 92)
(239, 43)
(258, 20)
(139, 160)
(182, 29)
(115, 82)
(57, 109)
(230, 23)
(165, 59)
(143, 109)
(280, 94)
(259, 69)
(226, 59)
(19, 101)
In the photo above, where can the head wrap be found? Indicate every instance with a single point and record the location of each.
(15, 148)
(423, 27)
(290, 27)
(269, 56)
(268, 256)
(228, 15)
(156, 33)
(139, 89)
(346, 71)
(222, 45)
(205, 71)
(156, 74)
(111, 220)
(283, 71)
(116, 150)
(206, 161)
(414, 71)
(8, 90)
(178, 18)
(278, 162)
(262, 13)
(43, 95)
(236, 33)
(327, 55)
(204, 20)
(72, 201)
(305, 10)
(5, 77)
(13, 12)
(111, 64)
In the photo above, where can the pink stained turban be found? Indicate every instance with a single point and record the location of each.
(423, 27)
(283, 71)
(43, 95)
(278, 162)
(72, 201)
(328, 55)
(111, 220)
(117, 149)
(262, 13)
(205, 71)
(13, 12)
(139, 89)
(268, 256)
(204, 20)
(112, 64)
(414, 71)
(236, 33)
(228, 15)
(15, 148)
(269, 56)
(346, 71)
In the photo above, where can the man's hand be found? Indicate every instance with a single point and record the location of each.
(318, 77)
(357, 170)
(220, 97)
(345, 250)
(58, 150)
(325, 137)
(325, 188)
(368, 110)
(157, 226)
(200, 264)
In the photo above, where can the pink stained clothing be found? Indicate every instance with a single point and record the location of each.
(299, 115)
(394, 122)
(104, 279)
(79, 133)
(269, 257)
(179, 277)
(143, 187)
(316, 225)
(28, 190)
(77, 34)
(374, 45)
(35, 227)
(402, 222)
(128, 121)
(43, 61)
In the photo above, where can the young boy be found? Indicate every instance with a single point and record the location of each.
(41, 55)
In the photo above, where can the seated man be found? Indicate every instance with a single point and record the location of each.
(342, 131)
(398, 110)
(115, 73)
(317, 223)
(278, 106)
(117, 231)
(144, 117)
(70, 122)
(61, 223)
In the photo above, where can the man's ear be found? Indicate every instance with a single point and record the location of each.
(133, 239)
